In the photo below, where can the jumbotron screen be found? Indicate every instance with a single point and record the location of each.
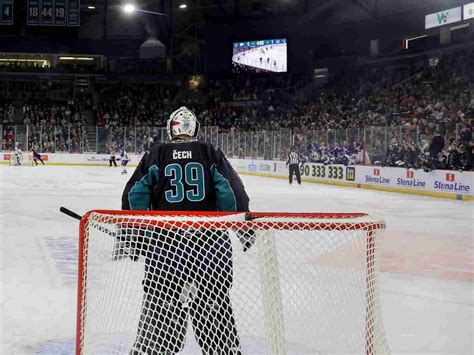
(268, 55)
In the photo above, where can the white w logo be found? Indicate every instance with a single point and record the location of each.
(443, 17)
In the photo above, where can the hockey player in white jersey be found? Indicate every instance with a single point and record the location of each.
(124, 159)
(17, 156)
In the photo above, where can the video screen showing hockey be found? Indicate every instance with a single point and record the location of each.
(261, 56)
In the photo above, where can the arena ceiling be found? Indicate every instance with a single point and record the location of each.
(102, 21)
(104, 13)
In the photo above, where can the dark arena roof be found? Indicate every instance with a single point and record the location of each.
(198, 38)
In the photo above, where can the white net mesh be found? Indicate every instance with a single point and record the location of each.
(221, 284)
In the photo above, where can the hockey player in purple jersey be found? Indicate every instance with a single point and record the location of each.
(36, 157)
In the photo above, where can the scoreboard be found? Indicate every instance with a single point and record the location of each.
(53, 12)
(6, 12)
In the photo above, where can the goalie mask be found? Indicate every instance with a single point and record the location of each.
(182, 122)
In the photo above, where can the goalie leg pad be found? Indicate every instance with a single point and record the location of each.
(162, 326)
(163, 322)
(214, 326)
(212, 265)
(203, 261)
(211, 311)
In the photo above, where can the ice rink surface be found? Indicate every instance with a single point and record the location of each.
(427, 269)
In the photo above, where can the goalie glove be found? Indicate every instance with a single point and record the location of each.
(129, 244)
(246, 238)
(124, 247)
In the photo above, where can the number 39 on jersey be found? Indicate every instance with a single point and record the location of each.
(192, 176)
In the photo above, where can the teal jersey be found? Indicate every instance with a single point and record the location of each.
(185, 176)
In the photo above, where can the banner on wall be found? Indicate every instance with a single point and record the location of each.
(454, 182)
(7, 156)
(468, 11)
(443, 17)
(436, 181)
(76, 158)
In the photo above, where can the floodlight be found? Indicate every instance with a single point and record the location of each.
(129, 8)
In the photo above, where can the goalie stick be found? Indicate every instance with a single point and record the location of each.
(124, 243)
(246, 238)
(74, 215)
(70, 213)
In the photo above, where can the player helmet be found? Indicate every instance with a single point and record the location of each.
(183, 121)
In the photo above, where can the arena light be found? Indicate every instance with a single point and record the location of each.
(183, 6)
(407, 41)
(458, 27)
(86, 59)
(17, 60)
(129, 8)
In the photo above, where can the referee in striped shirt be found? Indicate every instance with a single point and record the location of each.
(294, 161)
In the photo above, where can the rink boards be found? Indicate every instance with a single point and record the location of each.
(439, 183)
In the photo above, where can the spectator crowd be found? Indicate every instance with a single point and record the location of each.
(56, 127)
(430, 103)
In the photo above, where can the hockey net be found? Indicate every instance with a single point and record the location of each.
(229, 283)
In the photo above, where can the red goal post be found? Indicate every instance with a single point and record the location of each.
(294, 260)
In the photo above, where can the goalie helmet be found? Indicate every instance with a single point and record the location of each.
(182, 122)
